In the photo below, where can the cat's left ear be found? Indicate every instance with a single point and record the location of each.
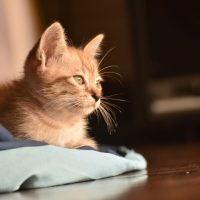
(93, 47)
(52, 43)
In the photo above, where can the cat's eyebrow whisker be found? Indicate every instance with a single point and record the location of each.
(110, 66)
(113, 77)
(116, 73)
(112, 95)
(113, 99)
(102, 59)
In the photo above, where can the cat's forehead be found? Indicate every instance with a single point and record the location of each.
(77, 61)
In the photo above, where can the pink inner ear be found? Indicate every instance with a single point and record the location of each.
(93, 47)
(52, 43)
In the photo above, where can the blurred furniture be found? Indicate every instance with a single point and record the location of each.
(167, 90)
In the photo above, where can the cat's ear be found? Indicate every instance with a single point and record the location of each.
(52, 43)
(93, 47)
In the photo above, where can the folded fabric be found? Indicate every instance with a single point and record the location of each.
(7, 141)
(44, 166)
(31, 164)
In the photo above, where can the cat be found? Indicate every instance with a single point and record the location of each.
(60, 87)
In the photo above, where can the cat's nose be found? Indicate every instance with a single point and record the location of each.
(95, 96)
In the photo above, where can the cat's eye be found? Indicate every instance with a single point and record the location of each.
(98, 83)
(79, 79)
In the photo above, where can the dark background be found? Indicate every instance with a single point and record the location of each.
(156, 46)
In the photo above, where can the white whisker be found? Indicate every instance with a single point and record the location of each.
(111, 73)
(113, 99)
(113, 77)
(102, 59)
(110, 66)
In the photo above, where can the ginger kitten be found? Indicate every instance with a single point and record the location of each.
(60, 88)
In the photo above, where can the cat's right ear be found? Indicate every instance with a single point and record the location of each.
(52, 44)
(93, 47)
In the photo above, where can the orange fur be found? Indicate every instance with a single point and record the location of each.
(47, 104)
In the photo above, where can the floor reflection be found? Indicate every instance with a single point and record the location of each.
(110, 188)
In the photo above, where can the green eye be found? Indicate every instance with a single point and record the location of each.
(79, 79)
(98, 83)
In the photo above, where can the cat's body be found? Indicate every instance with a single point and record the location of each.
(59, 89)
(24, 116)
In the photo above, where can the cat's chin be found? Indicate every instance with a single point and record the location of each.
(88, 110)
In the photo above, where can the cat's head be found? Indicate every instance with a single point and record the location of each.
(64, 78)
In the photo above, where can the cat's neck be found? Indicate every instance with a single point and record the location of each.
(51, 119)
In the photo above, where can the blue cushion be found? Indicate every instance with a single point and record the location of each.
(32, 164)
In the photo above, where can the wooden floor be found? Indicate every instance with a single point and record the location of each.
(173, 173)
